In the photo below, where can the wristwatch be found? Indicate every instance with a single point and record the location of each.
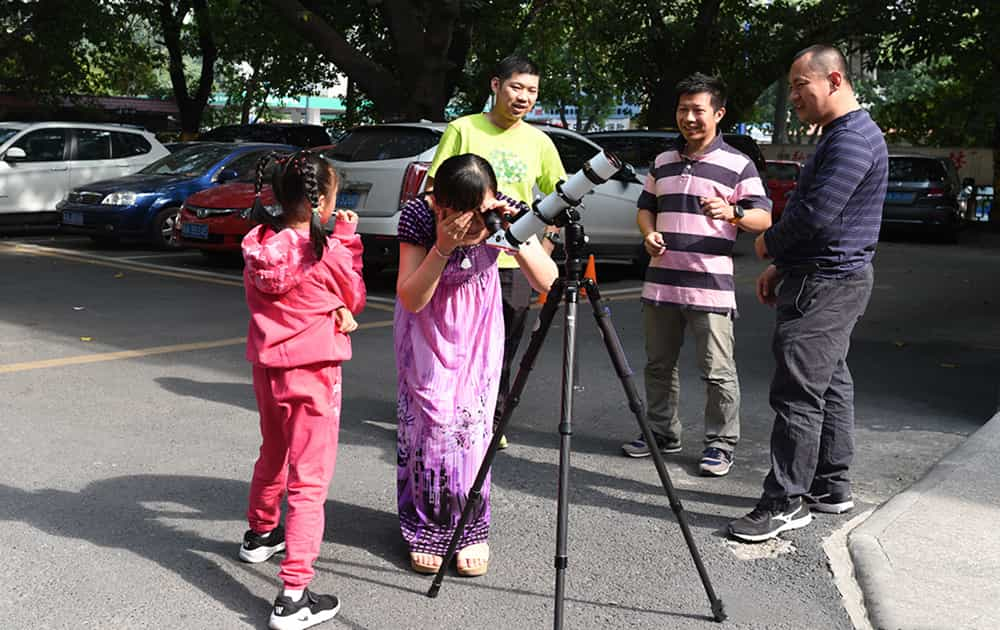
(737, 214)
(552, 237)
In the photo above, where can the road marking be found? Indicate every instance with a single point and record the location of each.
(116, 263)
(188, 254)
(143, 352)
(379, 304)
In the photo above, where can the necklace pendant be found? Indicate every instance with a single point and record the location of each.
(466, 264)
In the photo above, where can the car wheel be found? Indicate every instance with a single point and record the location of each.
(161, 232)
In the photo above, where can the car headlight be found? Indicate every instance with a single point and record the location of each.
(120, 199)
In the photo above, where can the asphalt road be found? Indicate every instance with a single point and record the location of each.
(129, 432)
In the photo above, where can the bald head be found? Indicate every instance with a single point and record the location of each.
(823, 59)
(818, 85)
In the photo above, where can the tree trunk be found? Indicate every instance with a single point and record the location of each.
(191, 107)
(994, 211)
(779, 133)
(350, 105)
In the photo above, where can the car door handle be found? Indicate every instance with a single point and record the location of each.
(357, 186)
(56, 168)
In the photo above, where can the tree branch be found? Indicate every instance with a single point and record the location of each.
(372, 78)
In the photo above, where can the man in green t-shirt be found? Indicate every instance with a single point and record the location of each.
(523, 157)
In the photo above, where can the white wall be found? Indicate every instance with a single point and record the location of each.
(971, 162)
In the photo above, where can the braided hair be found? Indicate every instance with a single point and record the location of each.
(298, 183)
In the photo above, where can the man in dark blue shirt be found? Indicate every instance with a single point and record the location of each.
(820, 282)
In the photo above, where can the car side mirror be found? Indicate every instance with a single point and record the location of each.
(227, 175)
(15, 154)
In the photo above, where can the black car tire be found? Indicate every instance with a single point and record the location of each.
(162, 226)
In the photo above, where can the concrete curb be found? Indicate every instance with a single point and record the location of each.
(874, 570)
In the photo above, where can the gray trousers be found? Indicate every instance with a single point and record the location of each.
(713, 334)
(812, 393)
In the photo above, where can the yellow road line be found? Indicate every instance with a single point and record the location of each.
(142, 352)
(35, 250)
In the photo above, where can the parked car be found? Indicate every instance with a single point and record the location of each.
(923, 192)
(383, 166)
(641, 146)
(41, 162)
(782, 178)
(214, 221)
(145, 205)
(278, 133)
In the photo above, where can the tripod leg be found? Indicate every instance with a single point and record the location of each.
(613, 344)
(561, 560)
(513, 398)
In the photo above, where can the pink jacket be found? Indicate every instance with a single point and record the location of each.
(292, 296)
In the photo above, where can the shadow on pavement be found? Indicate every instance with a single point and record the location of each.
(133, 513)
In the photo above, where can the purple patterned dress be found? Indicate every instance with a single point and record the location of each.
(448, 359)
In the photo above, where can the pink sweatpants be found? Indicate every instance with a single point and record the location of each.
(299, 424)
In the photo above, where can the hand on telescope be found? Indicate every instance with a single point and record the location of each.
(654, 244)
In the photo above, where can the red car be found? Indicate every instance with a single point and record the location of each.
(782, 177)
(215, 221)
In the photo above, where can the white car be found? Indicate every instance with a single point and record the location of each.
(383, 166)
(41, 162)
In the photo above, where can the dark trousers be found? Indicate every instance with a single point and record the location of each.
(812, 394)
(516, 294)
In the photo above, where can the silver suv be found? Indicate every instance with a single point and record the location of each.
(383, 166)
(41, 162)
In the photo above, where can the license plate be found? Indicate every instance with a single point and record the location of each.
(348, 200)
(194, 230)
(72, 218)
(899, 197)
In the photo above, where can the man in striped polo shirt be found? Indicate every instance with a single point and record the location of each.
(822, 250)
(696, 198)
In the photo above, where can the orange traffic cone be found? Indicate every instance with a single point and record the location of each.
(590, 272)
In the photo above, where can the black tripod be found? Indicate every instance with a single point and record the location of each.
(567, 290)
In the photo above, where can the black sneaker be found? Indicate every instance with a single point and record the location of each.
(260, 547)
(310, 610)
(764, 523)
(829, 503)
(639, 448)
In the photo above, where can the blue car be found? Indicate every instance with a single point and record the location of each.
(145, 205)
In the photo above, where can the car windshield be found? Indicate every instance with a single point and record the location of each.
(915, 170)
(777, 170)
(6, 133)
(383, 143)
(188, 162)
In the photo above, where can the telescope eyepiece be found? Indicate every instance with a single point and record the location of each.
(493, 220)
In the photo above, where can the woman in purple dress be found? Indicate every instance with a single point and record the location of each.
(449, 342)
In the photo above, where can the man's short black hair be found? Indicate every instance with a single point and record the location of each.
(825, 59)
(698, 83)
(515, 64)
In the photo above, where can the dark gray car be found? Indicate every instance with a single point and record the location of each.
(923, 193)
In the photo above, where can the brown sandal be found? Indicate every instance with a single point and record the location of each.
(423, 567)
(476, 570)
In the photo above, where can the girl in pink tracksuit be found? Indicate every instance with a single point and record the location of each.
(303, 289)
